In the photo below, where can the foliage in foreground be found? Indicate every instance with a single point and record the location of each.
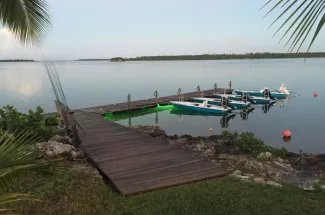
(28, 20)
(19, 160)
(41, 126)
(250, 144)
(301, 17)
(81, 191)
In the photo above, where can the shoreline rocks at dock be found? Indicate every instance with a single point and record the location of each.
(303, 170)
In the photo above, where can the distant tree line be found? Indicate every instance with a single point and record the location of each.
(263, 55)
(17, 60)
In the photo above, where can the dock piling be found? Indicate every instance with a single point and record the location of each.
(129, 101)
(215, 86)
(156, 96)
(198, 89)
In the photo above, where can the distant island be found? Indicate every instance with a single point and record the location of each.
(264, 55)
(258, 55)
(115, 59)
(17, 60)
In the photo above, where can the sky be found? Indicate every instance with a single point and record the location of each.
(128, 28)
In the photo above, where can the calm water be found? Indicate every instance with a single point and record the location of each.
(26, 85)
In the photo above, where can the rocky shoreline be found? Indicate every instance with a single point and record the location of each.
(304, 170)
(307, 171)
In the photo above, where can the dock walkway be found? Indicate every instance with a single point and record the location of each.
(135, 162)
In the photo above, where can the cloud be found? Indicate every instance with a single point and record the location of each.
(6, 39)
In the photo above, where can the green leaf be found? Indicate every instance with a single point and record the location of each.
(307, 18)
(28, 20)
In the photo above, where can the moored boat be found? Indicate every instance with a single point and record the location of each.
(227, 102)
(244, 97)
(263, 93)
(201, 107)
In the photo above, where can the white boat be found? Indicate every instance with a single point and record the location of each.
(201, 107)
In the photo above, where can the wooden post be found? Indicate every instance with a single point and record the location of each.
(129, 101)
(198, 89)
(156, 96)
(179, 93)
(63, 113)
(75, 135)
(215, 88)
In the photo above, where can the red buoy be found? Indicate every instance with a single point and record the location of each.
(287, 133)
(315, 94)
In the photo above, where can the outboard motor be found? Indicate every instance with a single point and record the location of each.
(224, 102)
(266, 93)
(244, 97)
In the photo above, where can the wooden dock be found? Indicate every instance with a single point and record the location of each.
(152, 102)
(132, 161)
(135, 162)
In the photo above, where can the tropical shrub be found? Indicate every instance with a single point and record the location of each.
(40, 125)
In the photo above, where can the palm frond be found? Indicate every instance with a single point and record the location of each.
(28, 20)
(302, 17)
(18, 159)
(14, 197)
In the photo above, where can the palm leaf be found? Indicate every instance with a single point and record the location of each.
(28, 20)
(302, 17)
(18, 159)
(14, 197)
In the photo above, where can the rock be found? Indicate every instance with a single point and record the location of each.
(61, 139)
(285, 167)
(264, 156)
(250, 175)
(322, 187)
(280, 160)
(272, 183)
(238, 159)
(209, 152)
(80, 154)
(73, 154)
(254, 165)
(52, 148)
(181, 140)
(259, 180)
(236, 172)
(170, 142)
(308, 187)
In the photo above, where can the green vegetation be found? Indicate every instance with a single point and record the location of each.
(81, 191)
(17, 60)
(117, 59)
(265, 55)
(250, 144)
(246, 141)
(302, 17)
(17, 161)
(42, 126)
(28, 20)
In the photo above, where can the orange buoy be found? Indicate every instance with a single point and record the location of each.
(315, 94)
(210, 129)
(287, 133)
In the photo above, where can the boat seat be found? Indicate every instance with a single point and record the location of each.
(205, 104)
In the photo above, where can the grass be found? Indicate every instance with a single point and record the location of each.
(80, 191)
